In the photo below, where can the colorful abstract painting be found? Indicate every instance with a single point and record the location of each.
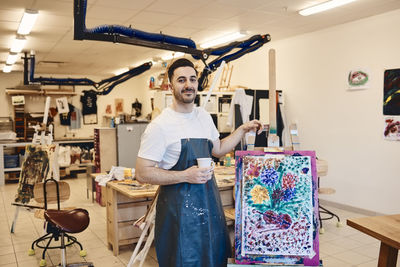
(277, 205)
(391, 92)
(276, 208)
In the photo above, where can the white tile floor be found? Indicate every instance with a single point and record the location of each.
(339, 247)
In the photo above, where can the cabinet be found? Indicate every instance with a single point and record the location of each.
(105, 149)
(125, 206)
(128, 142)
(4, 170)
(23, 122)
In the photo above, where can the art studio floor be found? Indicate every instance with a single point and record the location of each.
(339, 247)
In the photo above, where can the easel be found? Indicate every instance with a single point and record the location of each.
(146, 223)
(226, 77)
(41, 139)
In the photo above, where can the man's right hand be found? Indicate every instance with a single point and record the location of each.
(197, 175)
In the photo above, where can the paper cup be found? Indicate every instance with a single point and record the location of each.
(204, 162)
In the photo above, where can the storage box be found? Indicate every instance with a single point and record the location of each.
(6, 124)
(11, 161)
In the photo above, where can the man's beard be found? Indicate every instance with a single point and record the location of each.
(179, 96)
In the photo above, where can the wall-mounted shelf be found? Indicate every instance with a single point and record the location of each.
(43, 92)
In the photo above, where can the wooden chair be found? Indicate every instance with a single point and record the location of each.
(60, 223)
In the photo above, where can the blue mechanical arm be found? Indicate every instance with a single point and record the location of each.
(128, 35)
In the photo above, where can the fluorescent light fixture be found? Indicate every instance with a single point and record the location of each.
(324, 6)
(18, 44)
(173, 55)
(27, 21)
(7, 68)
(12, 58)
(224, 39)
(120, 71)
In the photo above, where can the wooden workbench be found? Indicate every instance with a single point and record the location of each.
(387, 230)
(127, 203)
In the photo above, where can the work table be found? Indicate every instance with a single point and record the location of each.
(387, 230)
(128, 200)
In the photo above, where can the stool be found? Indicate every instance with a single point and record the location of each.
(322, 170)
(69, 221)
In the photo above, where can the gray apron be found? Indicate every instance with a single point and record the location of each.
(190, 228)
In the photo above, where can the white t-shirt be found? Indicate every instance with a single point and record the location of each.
(161, 141)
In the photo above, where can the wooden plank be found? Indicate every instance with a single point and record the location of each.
(129, 192)
(230, 213)
(272, 91)
(128, 213)
(226, 197)
(114, 224)
(37, 92)
(128, 232)
(273, 139)
(126, 199)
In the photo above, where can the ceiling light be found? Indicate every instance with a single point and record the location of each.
(7, 68)
(17, 44)
(12, 58)
(224, 39)
(324, 6)
(173, 55)
(27, 21)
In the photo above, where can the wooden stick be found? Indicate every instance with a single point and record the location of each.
(272, 92)
(229, 78)
(273, 139)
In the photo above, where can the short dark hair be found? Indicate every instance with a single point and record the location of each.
(181, 62)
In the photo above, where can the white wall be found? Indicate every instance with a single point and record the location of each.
(343, 127)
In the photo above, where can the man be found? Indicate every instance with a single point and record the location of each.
(190, 227)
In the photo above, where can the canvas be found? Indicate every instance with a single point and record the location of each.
(392, 128)
(391, 92)
(34, 169)
(276, 208)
